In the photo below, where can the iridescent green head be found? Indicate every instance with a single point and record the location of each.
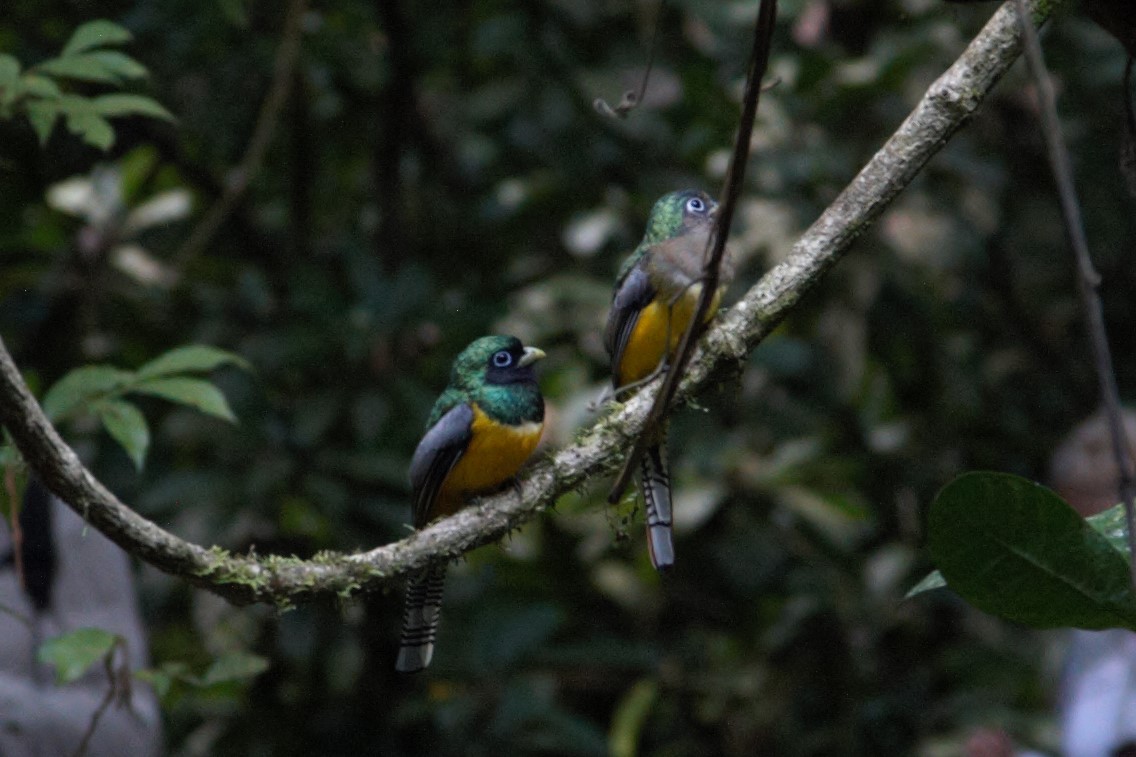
(494, 360)
(679, 213)
(496, 373)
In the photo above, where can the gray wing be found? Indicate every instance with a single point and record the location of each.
(634, 293)
(437, 453)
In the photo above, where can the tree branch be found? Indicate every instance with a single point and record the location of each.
(945, 107)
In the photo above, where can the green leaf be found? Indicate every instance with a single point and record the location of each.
(1110, 524)
(72, 654)
(197, 393)
(1014, 549)
(101, 66)
(120, 64)
(165, 676)
(630, 717)
(84, 67)
(93, 128)
(83, 386)
(191, 359)
(10, 86)
(158, 678)
(1113, 526)
(41, 86)
(97, 33)
(9, 70)
(130, 105)
(42, 115)
(127, 426)
(234, 667)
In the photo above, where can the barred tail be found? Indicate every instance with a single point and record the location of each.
(420, 619)
(656, 484)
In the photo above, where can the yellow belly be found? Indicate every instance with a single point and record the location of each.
(494, 455)
(657, 333)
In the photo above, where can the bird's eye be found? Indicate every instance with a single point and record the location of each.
(695, 205)
(502, 359)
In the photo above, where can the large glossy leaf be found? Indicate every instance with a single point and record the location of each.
(190, 359)
(127, 426)
(72, 654)
(97, 33)
(1110, 524)
(196, 393)
(82, 386)
(1014, 549)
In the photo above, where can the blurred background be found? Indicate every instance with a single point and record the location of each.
(435, 174)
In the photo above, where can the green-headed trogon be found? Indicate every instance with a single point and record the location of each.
(483, 427)
(654, 301)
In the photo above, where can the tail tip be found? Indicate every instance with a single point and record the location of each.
(661, 549)
(413, 659)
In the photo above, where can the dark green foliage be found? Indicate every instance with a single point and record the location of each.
(39, 91)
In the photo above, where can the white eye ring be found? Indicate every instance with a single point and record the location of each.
(695, 205)
(502, 359)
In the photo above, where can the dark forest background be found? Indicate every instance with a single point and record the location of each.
(438, 173)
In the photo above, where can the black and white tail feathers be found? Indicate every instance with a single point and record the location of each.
(656, 485)
(420, 619)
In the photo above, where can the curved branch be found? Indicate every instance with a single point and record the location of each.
(945, 107)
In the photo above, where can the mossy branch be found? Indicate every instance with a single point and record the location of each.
(947, 105)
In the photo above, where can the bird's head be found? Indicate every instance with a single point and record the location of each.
(680, 213)
(495, 360)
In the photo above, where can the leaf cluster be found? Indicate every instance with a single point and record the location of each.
(101, 390)
(42, 92)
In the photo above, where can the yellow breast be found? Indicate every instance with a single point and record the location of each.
(494, 455)
(658, 332)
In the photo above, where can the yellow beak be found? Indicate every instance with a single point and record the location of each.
(530, 356)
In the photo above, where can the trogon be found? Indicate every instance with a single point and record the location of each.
(654, 301)
(483, 427)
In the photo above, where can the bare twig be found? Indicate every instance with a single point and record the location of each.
(1088, 280)
(716, 245)
(1128, 141)
(948, 103)
(241, 177)
(14, 507)
(112, 693)
(631, 99)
